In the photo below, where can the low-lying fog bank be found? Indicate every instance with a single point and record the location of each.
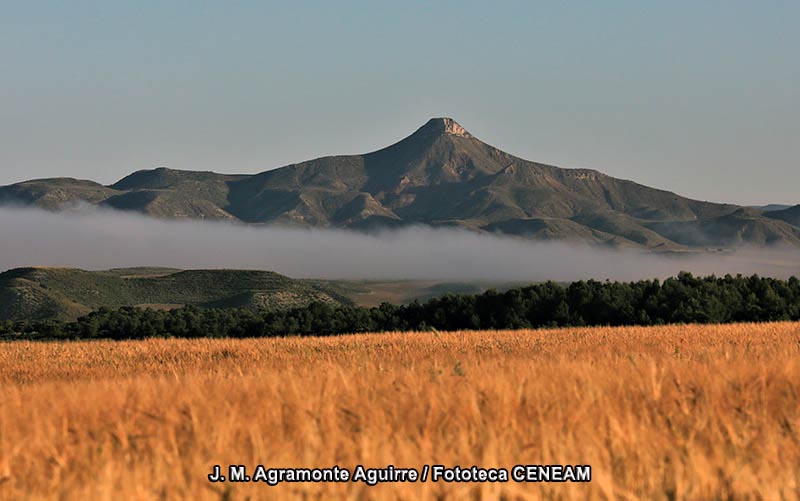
(95, 239)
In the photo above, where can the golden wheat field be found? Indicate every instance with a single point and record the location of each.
(680, 412)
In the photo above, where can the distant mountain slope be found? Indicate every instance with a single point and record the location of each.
(771, 207)
(440, 175)
(57, 293)
(55, 194)
(743, 226)
(790, 215)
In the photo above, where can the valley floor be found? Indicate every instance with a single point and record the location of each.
(679, 412)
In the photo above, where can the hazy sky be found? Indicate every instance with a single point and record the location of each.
(702, 98)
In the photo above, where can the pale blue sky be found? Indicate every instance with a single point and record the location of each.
(702, 98)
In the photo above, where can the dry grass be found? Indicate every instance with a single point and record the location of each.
(660, 413)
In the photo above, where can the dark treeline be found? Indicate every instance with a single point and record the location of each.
(684, 299)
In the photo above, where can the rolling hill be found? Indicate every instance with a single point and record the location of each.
(440, 175)
(66, 294)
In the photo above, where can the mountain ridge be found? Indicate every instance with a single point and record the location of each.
(440, 175)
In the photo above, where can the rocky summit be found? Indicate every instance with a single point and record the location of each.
(441, 176)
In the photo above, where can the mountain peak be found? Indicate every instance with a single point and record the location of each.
(443, 125)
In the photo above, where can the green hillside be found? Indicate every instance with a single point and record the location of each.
(66, 294)
(56, 293)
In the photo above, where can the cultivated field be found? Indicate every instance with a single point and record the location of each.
(695, 412)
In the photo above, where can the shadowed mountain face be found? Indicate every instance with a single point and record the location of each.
(790, 215)
(441, 176)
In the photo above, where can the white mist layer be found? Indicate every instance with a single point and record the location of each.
(94, 239)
